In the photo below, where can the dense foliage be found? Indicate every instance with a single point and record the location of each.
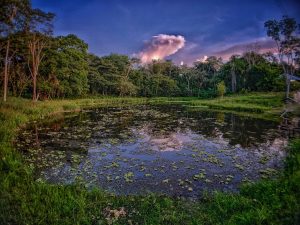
(68, 70)
(35, 63)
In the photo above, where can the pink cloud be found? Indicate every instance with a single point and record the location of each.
(260, 46)
(161, 46)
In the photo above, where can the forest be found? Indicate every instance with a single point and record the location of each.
(35, 64)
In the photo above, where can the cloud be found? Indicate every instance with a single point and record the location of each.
(161, 46)
(203, 59)
(260, 46)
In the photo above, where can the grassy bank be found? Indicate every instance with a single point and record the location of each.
(25, 201)
(257, 103)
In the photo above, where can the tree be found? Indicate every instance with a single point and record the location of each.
(96, 80)
(265, 77)
(162, 85)
(221, 88)
(187, 74)
(156, 78)
(130, 66)
(238, 67)
(233, 73)
(19, 76)
(270, 57)
(283, 32)
(207, 71)
(12, 17)
(39, 28)
(252, 58)
(65, 68)
(125, 87)
(114, 67)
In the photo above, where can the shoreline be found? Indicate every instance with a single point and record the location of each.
(17, 183)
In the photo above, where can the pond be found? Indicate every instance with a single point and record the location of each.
(163, 149)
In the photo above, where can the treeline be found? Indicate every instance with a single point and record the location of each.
(36, 64)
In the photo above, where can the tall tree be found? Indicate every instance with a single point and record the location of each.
(283, 32)
(39, 28)
(187, 74)
(238, 68)
(12, 17)
(207, 71)
(19, 78)
(233, 71)
(64, 70)
(97, 82)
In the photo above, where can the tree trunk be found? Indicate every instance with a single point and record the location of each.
(6, 64)
(188, 86)
(34, 87)
(288, 85)
(36, 46)
(34, 64)
(233, 80)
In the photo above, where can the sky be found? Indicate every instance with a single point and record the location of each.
(184, 31)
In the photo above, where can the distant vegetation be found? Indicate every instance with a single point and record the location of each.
(36, 64)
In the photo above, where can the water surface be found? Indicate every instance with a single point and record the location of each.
(162, 149)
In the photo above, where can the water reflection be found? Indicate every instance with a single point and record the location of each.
(164, 149)
(168, 141)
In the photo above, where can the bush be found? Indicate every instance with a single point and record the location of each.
(221, 89)
(207, 93)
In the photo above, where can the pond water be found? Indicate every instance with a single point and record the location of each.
(162, 149)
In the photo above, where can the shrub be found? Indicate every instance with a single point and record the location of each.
(221, 89)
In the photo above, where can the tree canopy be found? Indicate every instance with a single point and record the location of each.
(36, 64)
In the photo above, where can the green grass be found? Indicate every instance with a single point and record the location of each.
(257, 105)
(255, 102)
(26, 201)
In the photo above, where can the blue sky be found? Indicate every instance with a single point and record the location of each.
(214, 27)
